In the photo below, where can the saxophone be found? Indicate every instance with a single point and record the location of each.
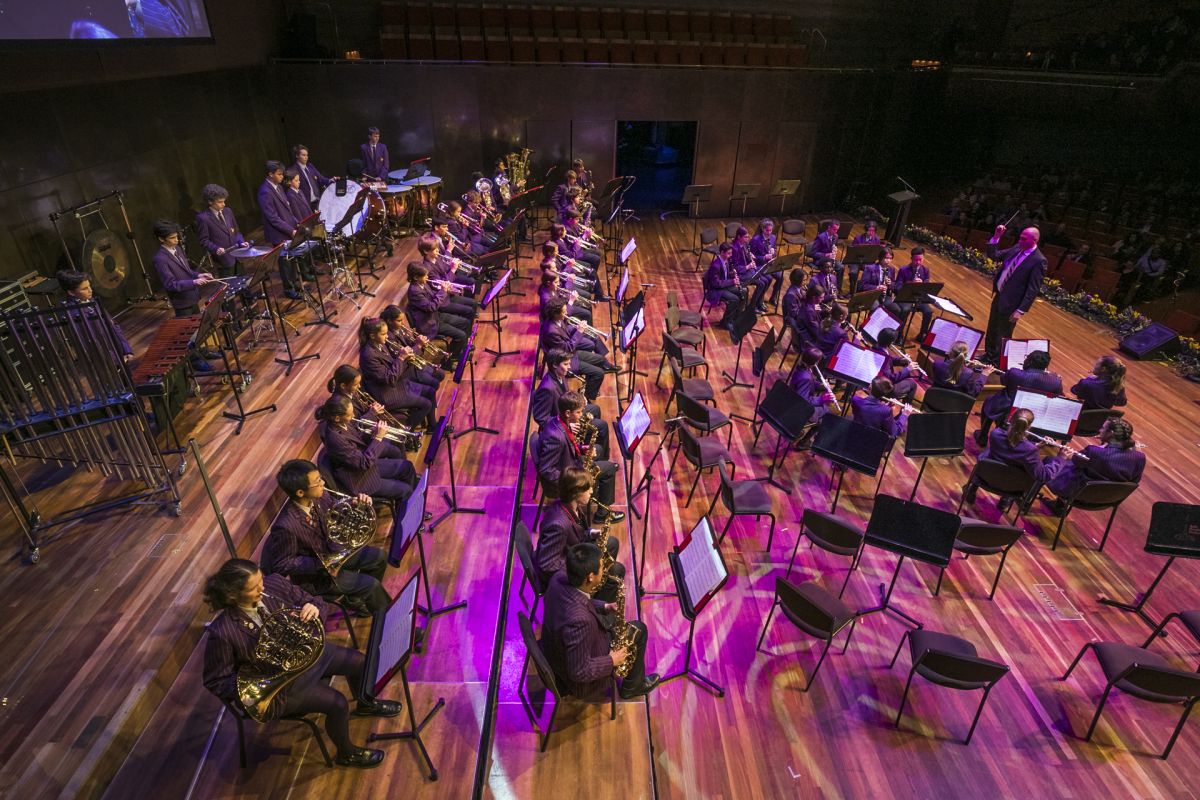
(622, 633)
(587, 444)
(287, 646)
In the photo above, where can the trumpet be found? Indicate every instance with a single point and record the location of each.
(368, 401)
(580, 241)
(911, 363)
(571, 264)
(410, 440)
(1062, 446)
(411, 358)
(458, 263)
(566, 295)
(573, 278)
(905, 407)
(433, 353)
(824, 382)
(446, 286)
(585, 328)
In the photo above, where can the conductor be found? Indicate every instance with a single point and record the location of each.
(1014, 288)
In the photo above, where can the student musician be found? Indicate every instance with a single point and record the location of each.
(300, 206)
(560, 199)
(181, 281)
(572, 250)
(387, 372)
(544, 403)
(881, 275)
(551, 289)
(78, 288)
(1013, 447)
(793, 298)
(467, 232)
(279, 224)
(566, 270)
(897, 366)
(217, 229)
(242, 597)
(347, 382)
(723, 285)
(1034, 375)
(952, 372)
(825, 247)
(808, 320)
(587, 253)
(559, 447)
(1116, 458)
(915, 272)
(429, 312)
(558, 334)
(583, 177)
(806, 381)
(477, 209)
(501, 185)
(441, 268)
(868, 237)
(426, 379)
(374, 155)
(576, 633)
(566, 523)
(312, 182)
(762, 247)
(875, 412)
(1105, 387)
(363, 461)
(834, 331)
(299, 538)
(826, 277)
(742, 259)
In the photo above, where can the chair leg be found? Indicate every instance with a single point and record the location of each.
(938, 588)
(849, 635)
(796, 549)
(350, 629)
(849, 572)
(316, 732)
(978, 712)
(899, 647)
(612, 701)
(999, 569)
(537, 599)
(771, 534)
(729, 438)
(1058, 532)
(674, 458)
(1182, 719)
(767, 624)
(817, 668)
(904, 697)
(661, 362)
(713, 505)
(1107, 528)
(1071, 668)
(549, 728)
(725, 530)
(693, 490)
(1099, 709)
(1161, 627)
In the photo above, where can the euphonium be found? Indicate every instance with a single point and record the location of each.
(350, 523)
(287, 646)
(622, 633)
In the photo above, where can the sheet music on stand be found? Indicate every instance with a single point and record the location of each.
(1017, 350)
(703, 568)
(414, 517)
(943, 334)
(633, 424)
(856, 364)
(627, 250)
(394, 634)
(949, 306)
(880, 320)
(1052, 414)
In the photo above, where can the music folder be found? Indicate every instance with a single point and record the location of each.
(1017, 350)
(1053, 415)
(943, 334)
(880, 320)
(632, 425)
(393, 636)
(1174, 530)
(701, 565)
(404, 533)
(633, 329)
(855, 364)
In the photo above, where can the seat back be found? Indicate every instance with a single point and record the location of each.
(1172, 685)
(946, 401)
(676, 375)
(1103, 494)
(708, 236)
(1000, 478)
(534, 649)
(691, 447)
(325, 467)
(831, 528)
(672, 299)
(1091, 420)
(806, 611)
(696, 413)
(726, 488)
(524, 543)
(794, 227)
(672, 318)
(731, 229)
(672, 348)
(985, 535)
(959, 671)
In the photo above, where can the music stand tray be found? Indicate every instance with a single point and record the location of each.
(934, 436)
(860, 254)
(917, 292)
(784, 189)
(745, 192)
(851, 445)
(1174, 532)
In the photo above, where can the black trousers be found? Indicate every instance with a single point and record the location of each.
(1000, 327)
(926, 310)
(606, 484)
(733, 305)
(591, 369)
(601, 430)
(414, 407)
(361, 579)
(310, 693)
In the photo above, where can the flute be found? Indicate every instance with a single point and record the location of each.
(987, 368)
(1062, 446)
(828, 388)
(911, 363)
(905, 407)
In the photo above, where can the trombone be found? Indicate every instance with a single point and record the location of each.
(585, 328)
(398, 434)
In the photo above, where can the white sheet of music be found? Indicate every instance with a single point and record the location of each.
(397, 633)
(946, 333)
(946, 304)
(1054, 414)
(880, 320)
(701, 564)
(857, 363)
(1016, 350)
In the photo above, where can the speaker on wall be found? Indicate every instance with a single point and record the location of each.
(1153, 340)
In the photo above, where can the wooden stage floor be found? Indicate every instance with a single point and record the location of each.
(101, 689)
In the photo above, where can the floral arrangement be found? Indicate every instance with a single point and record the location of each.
(1122, 321)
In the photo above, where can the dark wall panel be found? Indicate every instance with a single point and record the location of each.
(595, 141)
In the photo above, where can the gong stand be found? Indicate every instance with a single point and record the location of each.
(96, 207)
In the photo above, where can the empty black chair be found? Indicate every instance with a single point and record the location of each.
(746, 498)
(1145, 675)
(814, 611)
(791, 234)
(1004, 480)
(1190, 620)
(1091, 420)
(692, 319)
(946, 401)
(832, 534)
(705, 419)
(708, 244)
(686, 335)
(703, 454)
(697, 389)
(951, 662)
(731, 229)
(533, 652)
(977, 538)
(688, 357)
(240, 717)
(1096, 496)
(532, 575)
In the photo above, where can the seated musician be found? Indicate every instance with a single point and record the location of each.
(312, 182)
(374, 155)
(805, 381)
(181, 281)
(347, 382)
(544, 404)
(559, 448)
(477, 208)
(568, 249)
(825, 247)
(722, 285)
(447, 244)
(426, 379)
(242, 597)
(362, 459)
(467, 232)
(428, 312)
(585, 247)
(874, 411)
(762, 247)
(915, 272)
(387, 374)
(501, 185)
(897, 366)
(300, 538)
(1116, 458)
(1013, 447)
(867, 237)
(834, 331)
(559, 200)
(442, 268)
(793, 298)
(808, 319)
(1034, 375)
(279, 224)
(551, 289)
(881, 275)
(742, 260)
(1105, 387)
(78, 288)
(576, 643)
(558, 334)
(825, 277)
(567, 270)
(952, 372)
(583, 177)
(217, 229)
(567, 523)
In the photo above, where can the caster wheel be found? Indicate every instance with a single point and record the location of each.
(247, 378)
(33, 556)
(177, 510)
(182, 468)
(225, 381)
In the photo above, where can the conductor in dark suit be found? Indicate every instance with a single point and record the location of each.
(1014, 288)
(576, 631)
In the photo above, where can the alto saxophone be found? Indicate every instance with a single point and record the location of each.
(587, 444)
(286, 647)
(622, 632)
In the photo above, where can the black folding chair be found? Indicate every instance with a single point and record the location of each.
(746, 498)
(832, 534)
(946, 401)
(977, 538)
(530, 573)
(1096, 496)
(240, 717)
(814, 611)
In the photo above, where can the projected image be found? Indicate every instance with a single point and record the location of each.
(103, 19)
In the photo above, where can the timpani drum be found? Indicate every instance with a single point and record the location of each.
(427, 190)
(396, 200)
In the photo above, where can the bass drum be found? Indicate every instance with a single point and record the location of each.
(371, 220)
(334, 209)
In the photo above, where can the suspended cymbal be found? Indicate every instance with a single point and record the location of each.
(106, 260)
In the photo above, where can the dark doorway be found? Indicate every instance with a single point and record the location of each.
(661, 156)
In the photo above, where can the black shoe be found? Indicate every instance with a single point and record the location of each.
(389, 251)
(981, 439)
(380, 708)
(602, 298)
(616, 516)
(292, 294)
(1056, 506)
(1005, 504)
(760, 309)
(357, 608)
(612, 368)
(628, 693)
(362, 758)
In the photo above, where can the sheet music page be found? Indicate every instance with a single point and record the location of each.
(701, 564)
(946, 304)
(972, 337)
(942, 335)
(1059, 415)
(397, 631)
(1033, 401)
(879, 320)
(1017, 350)
(857, 363)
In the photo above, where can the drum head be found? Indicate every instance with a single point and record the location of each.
(333, 208)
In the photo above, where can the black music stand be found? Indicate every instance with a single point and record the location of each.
(411, 527)
(393, 640)
(263, 269)
(466, 362)
(691, 608)
(303, 235)
(758, 366)
(210, 319)
(492, 299)
(783, 189)
(671, 425)
(786, 412)
(444, 432)
(899, 219)
(636, 419)
(744, 192)
(741, 327)
(862, 302)
(1174, 532)
(910, 530)
(851, 445)
(630, 332)
(934, 436)
(693, 196)
(913, 293)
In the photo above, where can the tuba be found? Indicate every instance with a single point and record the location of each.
(351, 525)
(287, 646)
(622, 633)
